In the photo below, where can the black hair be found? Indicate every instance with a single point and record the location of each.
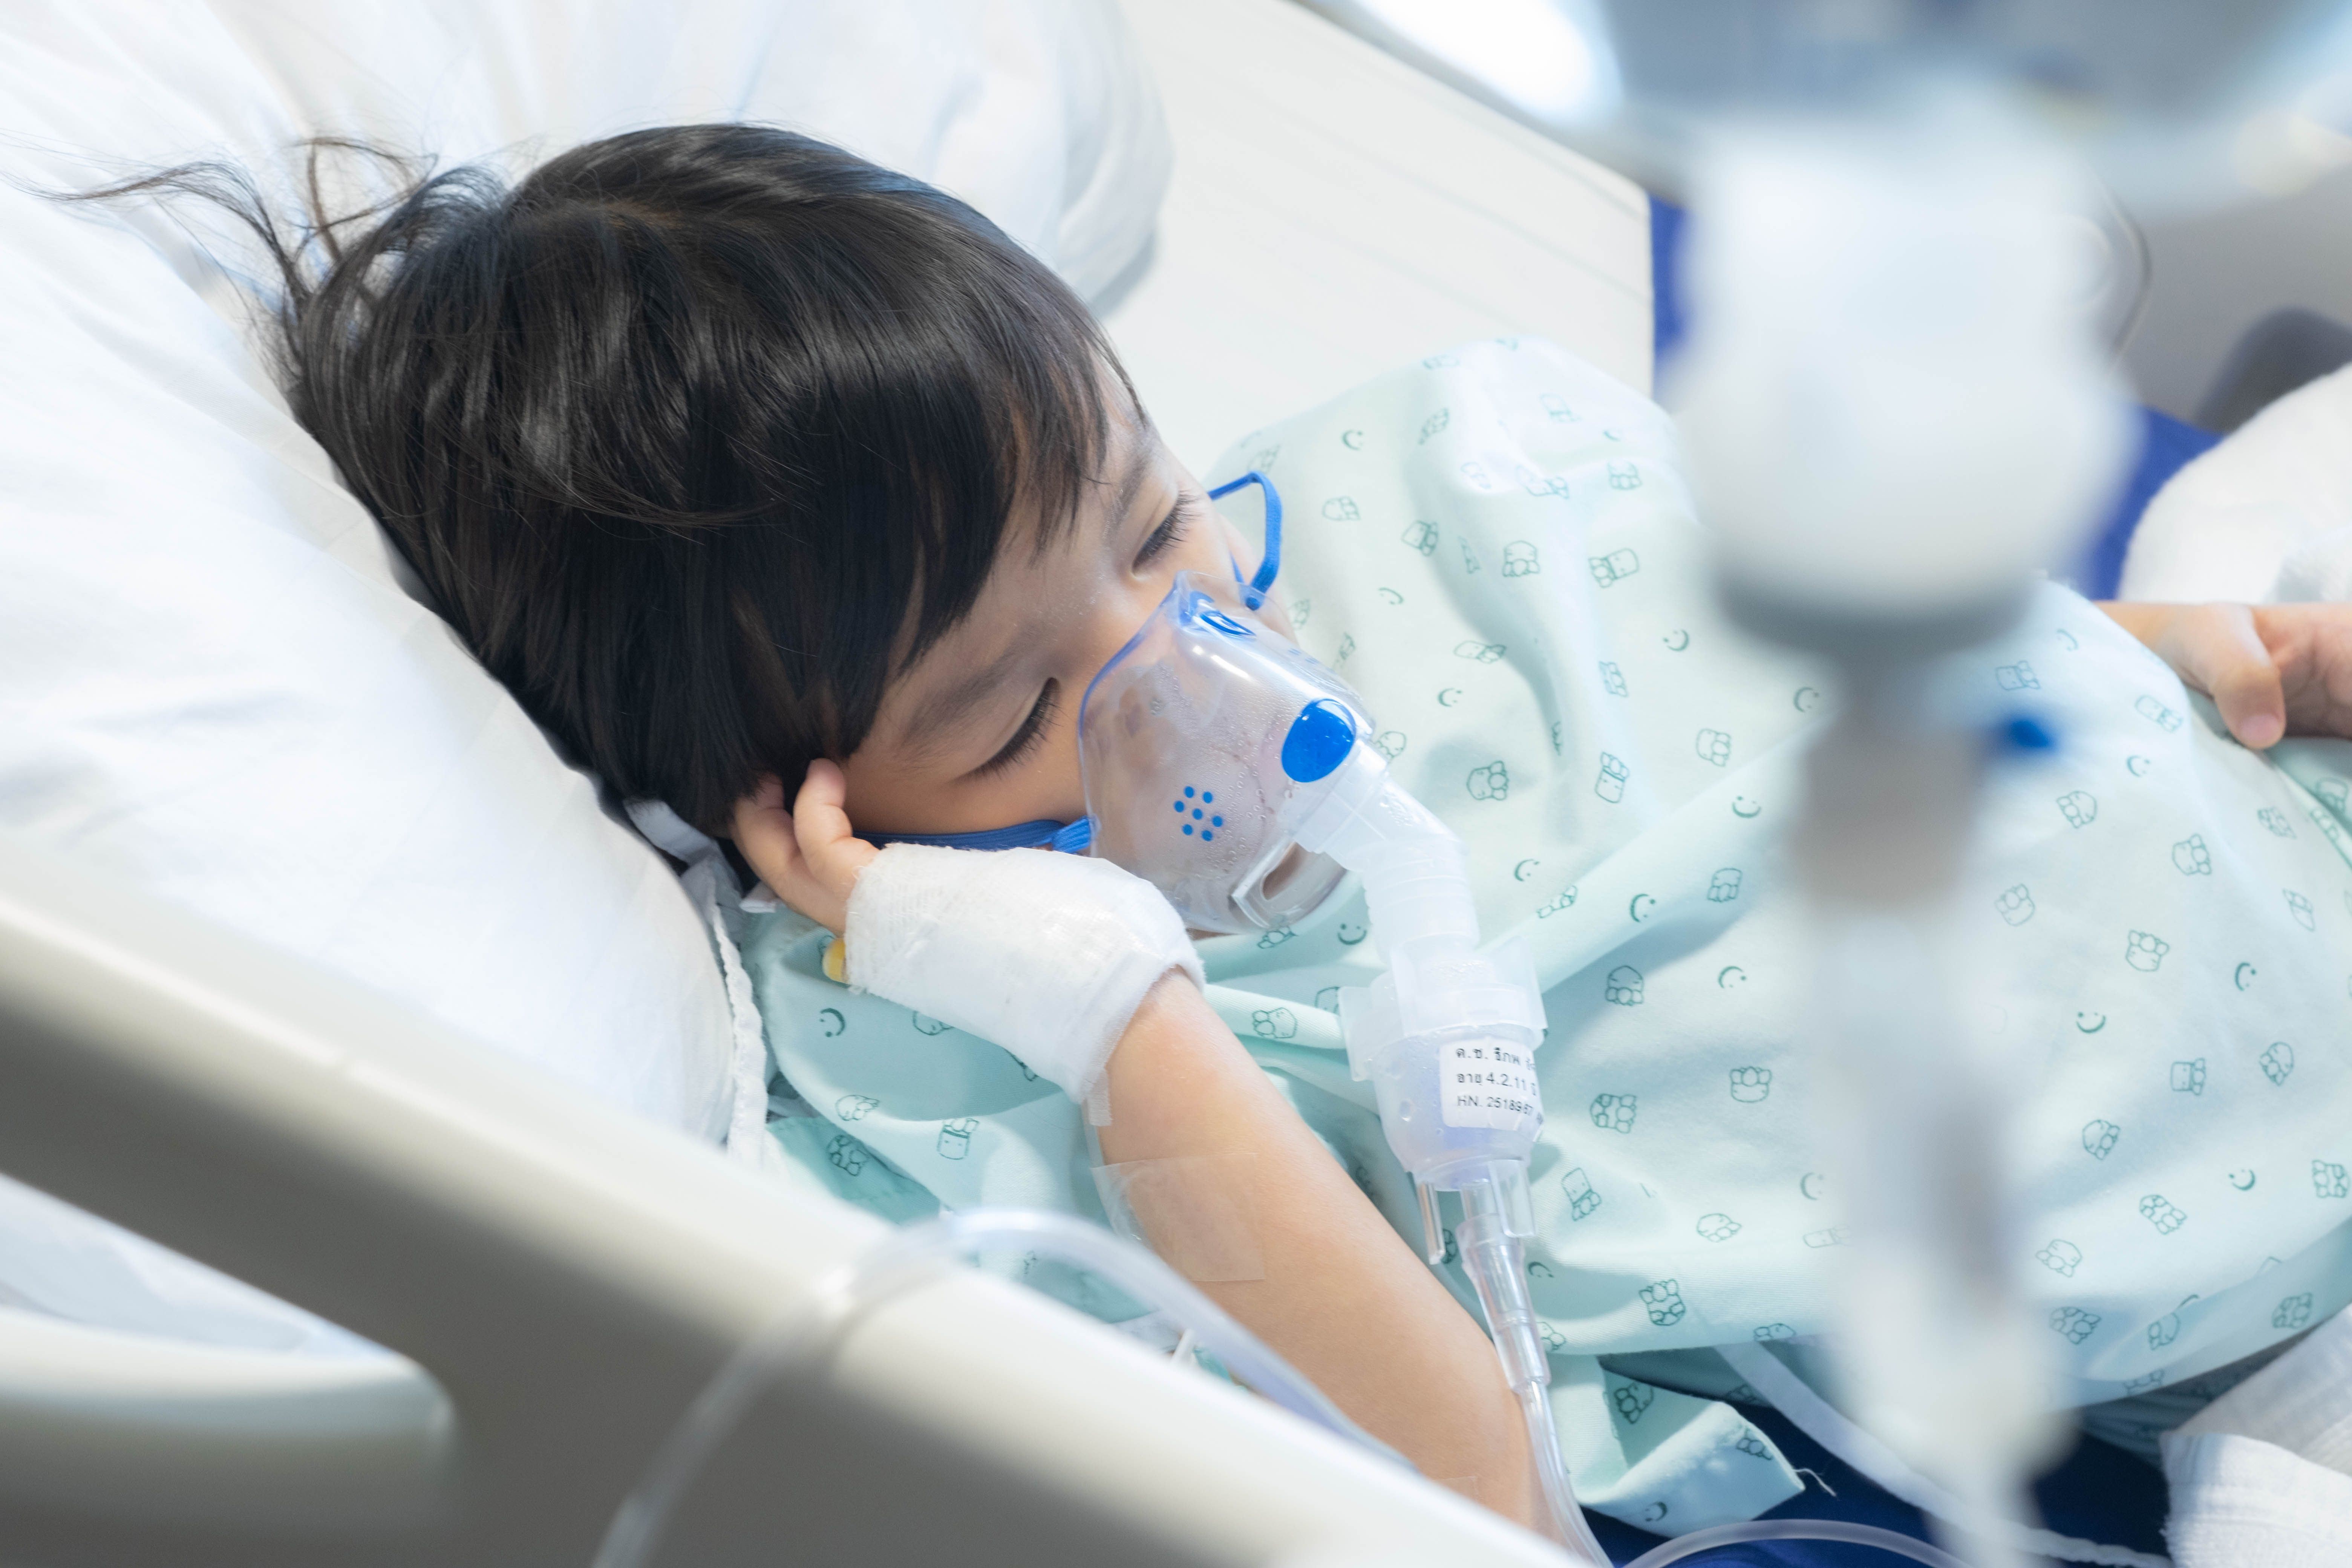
(697, 435)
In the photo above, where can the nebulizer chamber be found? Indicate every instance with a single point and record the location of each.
(1231, 769)
(1447, 1037)
(1940, 422)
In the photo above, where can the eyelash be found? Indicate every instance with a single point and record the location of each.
(1016, 750)
(1170, 532)
(1025, 739)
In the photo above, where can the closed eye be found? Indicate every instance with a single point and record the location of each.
(1170, 531)
(1025, 738)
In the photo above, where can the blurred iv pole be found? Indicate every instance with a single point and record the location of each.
(1898, 410)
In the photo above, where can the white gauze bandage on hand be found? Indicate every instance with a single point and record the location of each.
(1044, 954)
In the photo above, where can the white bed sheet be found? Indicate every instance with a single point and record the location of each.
(1334, 213)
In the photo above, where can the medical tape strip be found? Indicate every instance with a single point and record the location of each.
(1046, 954)
(1198, 1212)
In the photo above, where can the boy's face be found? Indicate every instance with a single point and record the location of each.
(983, 730)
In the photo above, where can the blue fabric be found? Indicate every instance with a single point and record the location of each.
(1666, 323)
(2100, 1493)
(2165, 444)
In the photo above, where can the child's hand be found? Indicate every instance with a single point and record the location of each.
(809, 857)
(2272, 669)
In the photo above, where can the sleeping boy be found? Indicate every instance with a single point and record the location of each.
(1495, 547)
(742, 462)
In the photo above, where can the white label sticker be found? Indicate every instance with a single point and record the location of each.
(1487, 1082)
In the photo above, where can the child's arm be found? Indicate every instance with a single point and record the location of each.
(1343, 1298)
(2272, 669)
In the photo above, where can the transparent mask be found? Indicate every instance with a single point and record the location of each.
(1192, 740)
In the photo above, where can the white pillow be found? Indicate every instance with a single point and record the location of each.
(1036, 111)
(2265, 516)
(211, 686)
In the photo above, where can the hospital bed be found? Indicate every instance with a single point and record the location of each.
(560, 1278)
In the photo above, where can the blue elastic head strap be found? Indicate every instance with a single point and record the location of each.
(1072, 838)
(1042, 834)
(1254, 589)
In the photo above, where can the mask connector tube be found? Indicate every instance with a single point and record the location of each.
(1231, 770)
(1447, 1039)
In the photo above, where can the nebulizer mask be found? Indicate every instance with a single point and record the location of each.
(1195, 741)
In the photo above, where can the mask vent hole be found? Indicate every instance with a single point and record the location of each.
(1208, 824)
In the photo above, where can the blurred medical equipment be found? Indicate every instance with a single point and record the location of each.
(1939, 342)
(1897, 409)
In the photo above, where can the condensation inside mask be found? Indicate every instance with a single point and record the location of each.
(1192, 740)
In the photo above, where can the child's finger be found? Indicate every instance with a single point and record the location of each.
(819, 818)
(2312, 646)
(2218, 648)
(764, 832)
(817, 814)
(830, 846)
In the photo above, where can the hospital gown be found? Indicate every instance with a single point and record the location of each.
(1495, 547)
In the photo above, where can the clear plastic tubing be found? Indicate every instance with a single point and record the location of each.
(1684, 1548)
(916, 1254)
(1447, 1037)
(806, 1335)
(1443, 996)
